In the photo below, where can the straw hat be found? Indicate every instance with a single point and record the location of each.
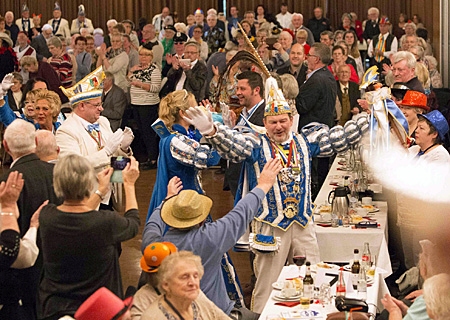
(186, 209)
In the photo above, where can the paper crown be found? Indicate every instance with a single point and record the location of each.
(81, 10)
(57, 7)
(25, 7)
(369, 77)
(276, 104)
(88, 88)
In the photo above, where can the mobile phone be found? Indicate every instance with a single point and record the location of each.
(118, 164)
(270, 42)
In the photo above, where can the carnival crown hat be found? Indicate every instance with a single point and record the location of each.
(186, 209)
(438, 121)
(371, 76)
(25, 7)
(276, 104)
(154, 254)
(103, 305)
(88, 88)
(81, 10)
(57, 7)
(415, 99)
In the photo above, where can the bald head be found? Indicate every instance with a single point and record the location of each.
(46, 147)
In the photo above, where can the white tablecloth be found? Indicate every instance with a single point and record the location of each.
(337, 244)
(375, 293)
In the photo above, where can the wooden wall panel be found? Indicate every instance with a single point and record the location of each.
(102, 10)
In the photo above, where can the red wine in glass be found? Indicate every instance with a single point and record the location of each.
(299, 260)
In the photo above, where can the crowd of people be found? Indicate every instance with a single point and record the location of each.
(68, 92)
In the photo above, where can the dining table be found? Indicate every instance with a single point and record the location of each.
(274, 308)
(337, 244)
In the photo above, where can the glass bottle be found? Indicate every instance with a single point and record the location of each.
(366, 257)
(362, 284)
(308, 282)
(355, 268)
(340, 287)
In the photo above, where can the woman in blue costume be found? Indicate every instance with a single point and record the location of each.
(46, 120)
(181, 155)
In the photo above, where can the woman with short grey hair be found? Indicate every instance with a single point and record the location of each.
(179, 281)
(80, 245)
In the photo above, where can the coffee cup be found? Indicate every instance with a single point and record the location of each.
(366, 201)
(288, 292)
(325, 217)
(361, 211)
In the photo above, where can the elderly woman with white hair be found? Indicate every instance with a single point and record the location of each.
(435, 76)
(431, 263)
(436, 292)
(80, 245)
(179, 281)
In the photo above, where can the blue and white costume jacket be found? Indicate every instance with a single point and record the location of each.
(289, 201)
(183, 156)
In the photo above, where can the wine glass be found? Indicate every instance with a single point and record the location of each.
(299, 259)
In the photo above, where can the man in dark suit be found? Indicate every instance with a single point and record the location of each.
(39, 43)
(348, 94)
(371, 28)
(250, 91)
(316, 103)
(295, 66)
(114, 101)
(191, 76)
(20, 142)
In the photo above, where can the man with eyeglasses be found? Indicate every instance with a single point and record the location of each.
(190, 76)
(348, 94)
(87, 133)
(149, 35)
(316, 103)
(179, 40)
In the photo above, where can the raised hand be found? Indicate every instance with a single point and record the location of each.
(269, 174)
(200, 119)
(174, 187)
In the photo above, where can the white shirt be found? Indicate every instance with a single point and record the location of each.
(394, 47)
(284, 19)
(182, 80)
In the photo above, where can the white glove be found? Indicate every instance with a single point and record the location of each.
(7, 83)
(226, 116)
(113, 142)
(127, 139)
(201, 119)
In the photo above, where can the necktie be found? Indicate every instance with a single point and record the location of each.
(93, 127)
(380, 46)
(345, 107)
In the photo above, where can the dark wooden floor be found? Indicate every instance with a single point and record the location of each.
(223, 202)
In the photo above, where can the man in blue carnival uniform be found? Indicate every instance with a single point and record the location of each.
(283, 226)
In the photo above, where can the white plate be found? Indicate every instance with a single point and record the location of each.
(282, 298)
(277, 285)
(323, 265)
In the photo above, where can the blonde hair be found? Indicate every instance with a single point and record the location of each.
(145, 50)
(171, 104)
(52, 98)
(28, 61)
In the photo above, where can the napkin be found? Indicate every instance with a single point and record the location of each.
(288, 303)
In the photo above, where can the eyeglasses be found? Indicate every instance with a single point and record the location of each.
(311, 55)
(145, 54)
(191, 52)
(180, 42)
(97, 105)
